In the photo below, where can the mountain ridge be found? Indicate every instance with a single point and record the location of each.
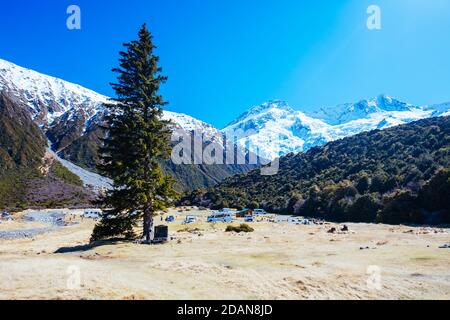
(270, 130)
(71, 117)
(275, 129)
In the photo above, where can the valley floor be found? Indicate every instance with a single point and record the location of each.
(277, 261)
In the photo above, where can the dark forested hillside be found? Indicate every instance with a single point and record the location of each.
(21, 142)
(398, 175)
(84, 152)
(27, 177)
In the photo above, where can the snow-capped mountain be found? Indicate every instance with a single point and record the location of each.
(48, 98)
(65, 109)
(439, 110)
(70, 117)
(347, 112)
(69, 113)
(190, 124)
(274, 129)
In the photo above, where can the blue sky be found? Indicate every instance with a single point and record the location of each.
(224, 56)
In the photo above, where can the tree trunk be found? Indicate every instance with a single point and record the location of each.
(148, 227)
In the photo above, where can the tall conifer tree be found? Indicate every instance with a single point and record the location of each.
(137, 140)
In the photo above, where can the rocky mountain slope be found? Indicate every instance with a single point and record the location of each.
(70, 116)
(29, 176)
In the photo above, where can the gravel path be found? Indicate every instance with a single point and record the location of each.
(55, 220)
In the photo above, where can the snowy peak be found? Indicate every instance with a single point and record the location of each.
(47, 97)
(439, 110)
(190, 124)
(279, 105)
(52, 101)
(270, 107)
(387, 103)
(275, 129)
(352, 111)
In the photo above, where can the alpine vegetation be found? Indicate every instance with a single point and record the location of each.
(137, 140)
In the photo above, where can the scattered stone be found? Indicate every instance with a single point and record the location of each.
(417, 275)
(25, 233)
(54, 220)
(332, 230)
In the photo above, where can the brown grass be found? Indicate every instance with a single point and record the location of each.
(276, 261)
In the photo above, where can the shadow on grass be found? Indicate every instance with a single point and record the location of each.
(90, 246)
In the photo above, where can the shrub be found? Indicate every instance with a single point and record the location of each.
(242, 228)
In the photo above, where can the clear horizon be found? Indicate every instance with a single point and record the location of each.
(222, 58)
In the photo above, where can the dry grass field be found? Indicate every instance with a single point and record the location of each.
(276, 261)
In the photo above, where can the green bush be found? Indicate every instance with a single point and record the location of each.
(242, 228)
(65, 175)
